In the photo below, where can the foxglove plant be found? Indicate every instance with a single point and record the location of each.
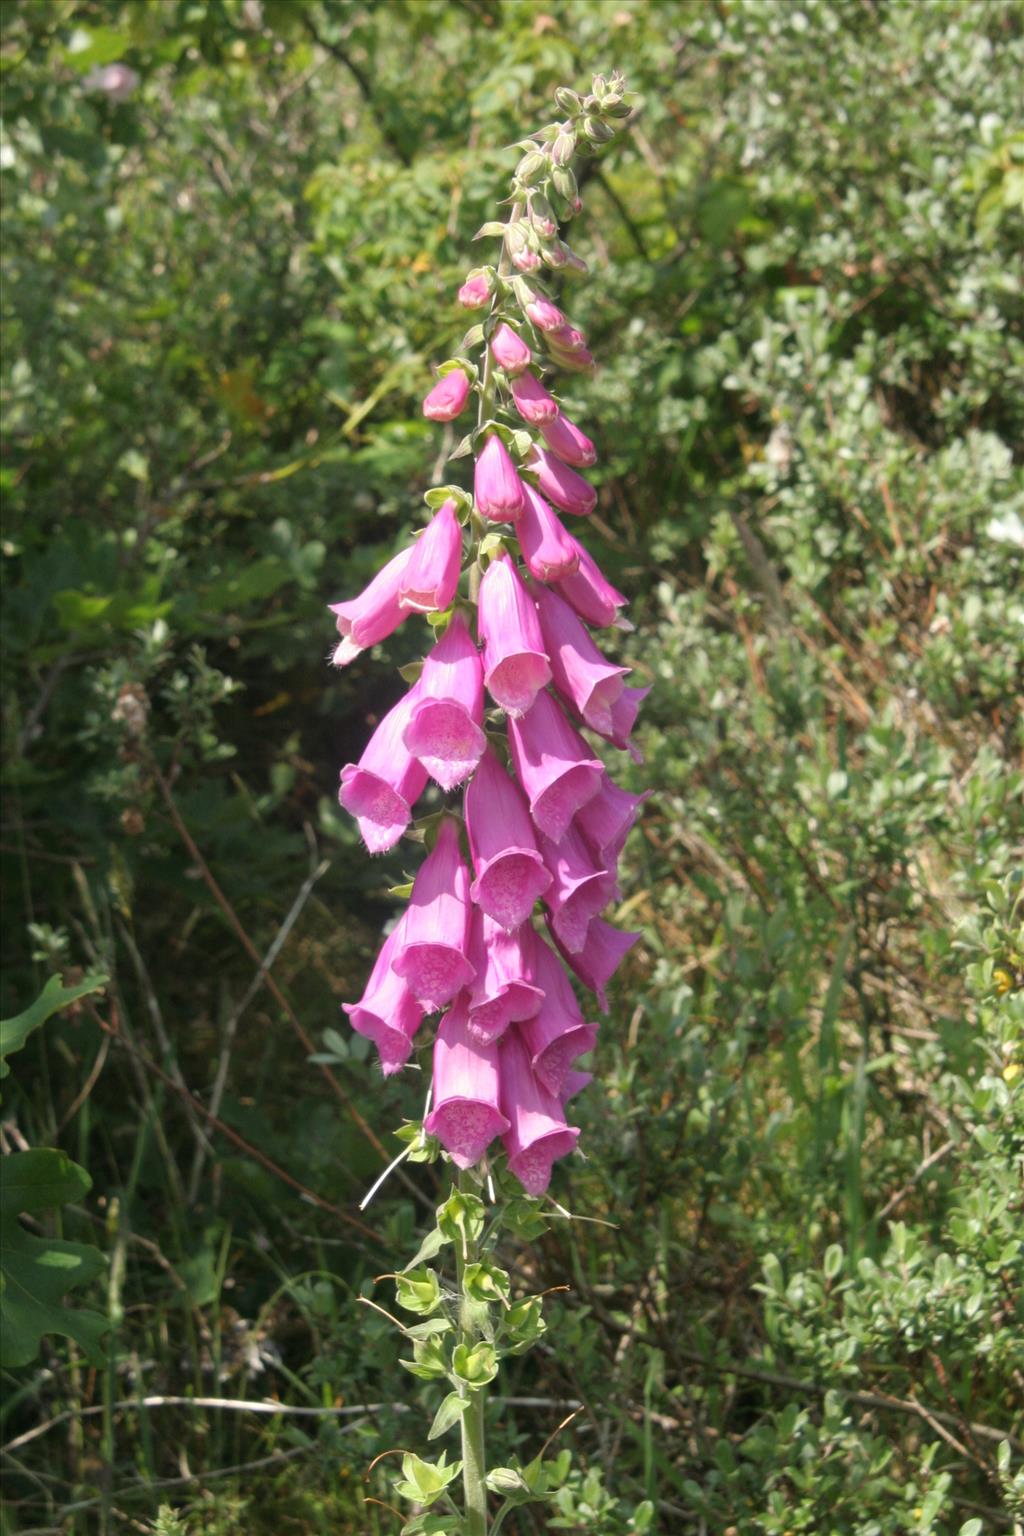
(498, 709)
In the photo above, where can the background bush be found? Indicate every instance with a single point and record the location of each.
(801, 1310)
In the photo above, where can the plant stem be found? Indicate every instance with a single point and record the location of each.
(474, 1461)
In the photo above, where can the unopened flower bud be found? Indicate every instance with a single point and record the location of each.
(564, 183)
(531, 167)
(600, 85)
(475, 291)
(614, 106)
(596, 131)
(567, 100)
(542, 216)
(526, 260)
(564, 147)
(554, 255)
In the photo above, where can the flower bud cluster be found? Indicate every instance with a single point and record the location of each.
(506, 703)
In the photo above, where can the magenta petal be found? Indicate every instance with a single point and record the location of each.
(515, 663)
(558, 1033)
(600, 957)
(387, 1013)
(553, 765)
(373, 615)
(448, 397)
(593, 597)
(545, 315)
(432, 956)
(475, 292)
(561, 485)
(504, 990)
(567, 442)
(549, 551)
(532, 401)
(445, 729)
(466, 1116)
(580, 888)
(608, 818)
(510, 872)
(497, 488)
(382, 788)
(431, 577)
(623, 718)
(537, 1133)
(509, 350)
(581, 674)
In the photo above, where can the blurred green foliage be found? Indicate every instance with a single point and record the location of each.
(224, 288)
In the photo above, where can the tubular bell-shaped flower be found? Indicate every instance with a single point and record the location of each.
(581, 674)
(591, 593)
(581, 887)
(373, 615)
(429, 581)
(381, 789)
(467, 1115)
(497, 488)
(538, 1132)
(510, 873)
(533, 402)
(608, 818)
(600, 957)
(387, 1013)
(445, 729)
(448, 397)
(510, 350)
(557, 1035)
(560, 484)
(553, 764)
(549, 551)
(515, 662)
(567, 442)
(431, 956)
(504, 990)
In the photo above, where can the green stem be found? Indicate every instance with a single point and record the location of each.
(474, 1460)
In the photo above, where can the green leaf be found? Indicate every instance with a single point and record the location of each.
(431, 1245)
(449, 1413)
(54, 996)
(37, 1272)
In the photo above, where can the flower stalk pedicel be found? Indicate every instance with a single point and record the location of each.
(509, 592)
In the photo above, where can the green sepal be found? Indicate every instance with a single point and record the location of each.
(439, 494)
(524, 1219)
(461, 1216)
(476, 1365)
(451, 363)
(410, 672)
(523, 1325)
(418, 1290)
(449, 1413)
(429, 1362)
(486, 1282)
(424, 1481)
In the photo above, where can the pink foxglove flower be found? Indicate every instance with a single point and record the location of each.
(432, 956)
(533, 402)
(558, 1034)
(567, 442)
(515, 662)
(381, 789)
(537, 1133)
(445, 729)
(608, 818)
(509, 350)
(475, 291)
(623, 718)
(374, 614)
(387, 1013)
(504, 990)
(580, 889)
(497, 488)
(510, 873)
(430, 579)
(596, 963)
(550, 552)
(562, 485)
(568, 339)
(466, 1116)
(582, 675)
(554, 765)
(545, 315)
(448, 397)
(591, 593)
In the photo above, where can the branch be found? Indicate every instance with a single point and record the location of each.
(362, 81)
